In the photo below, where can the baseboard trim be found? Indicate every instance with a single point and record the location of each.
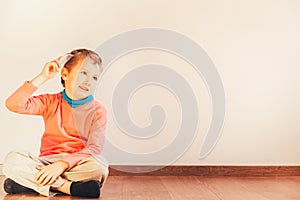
(210, 171)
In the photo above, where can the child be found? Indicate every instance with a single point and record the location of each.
(75, 123)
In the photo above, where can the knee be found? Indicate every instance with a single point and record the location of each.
(98, 170)
(102, 172)
(87, 169)
(11, 162)
(12, 157)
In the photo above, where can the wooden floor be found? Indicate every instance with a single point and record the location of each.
(189, 187)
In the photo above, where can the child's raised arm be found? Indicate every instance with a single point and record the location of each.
(50, 69)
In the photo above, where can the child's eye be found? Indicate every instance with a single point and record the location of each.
(84, 73)
(95, 78)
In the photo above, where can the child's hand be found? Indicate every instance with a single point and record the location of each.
(50, 69)
(48, 174)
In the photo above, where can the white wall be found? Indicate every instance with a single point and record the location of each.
(254, 45)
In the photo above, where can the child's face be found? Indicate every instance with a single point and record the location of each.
(82, 80)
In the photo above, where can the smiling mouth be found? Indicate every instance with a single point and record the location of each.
(84, 88)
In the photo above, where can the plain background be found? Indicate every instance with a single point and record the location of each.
(255, 46)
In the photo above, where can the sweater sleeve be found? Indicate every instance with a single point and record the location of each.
(22, 102)
(95, 142)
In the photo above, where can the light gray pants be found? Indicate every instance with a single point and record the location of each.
(20, 166)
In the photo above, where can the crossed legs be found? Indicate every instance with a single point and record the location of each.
(21, 168)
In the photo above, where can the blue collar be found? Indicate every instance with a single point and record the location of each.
(76, 103)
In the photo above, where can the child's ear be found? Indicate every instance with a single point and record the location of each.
(64, 74)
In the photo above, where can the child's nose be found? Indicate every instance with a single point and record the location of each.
(87, 81)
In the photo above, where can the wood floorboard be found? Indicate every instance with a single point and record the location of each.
(276, 189)
(113, 188)
(228, 188)
(144, 187)
(188, 188)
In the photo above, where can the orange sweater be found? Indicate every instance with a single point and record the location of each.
(78, 131)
